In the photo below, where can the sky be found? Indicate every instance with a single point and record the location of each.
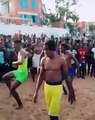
(85, 9)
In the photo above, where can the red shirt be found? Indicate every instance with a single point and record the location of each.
(82, 54)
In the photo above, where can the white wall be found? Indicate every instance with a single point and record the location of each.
(11, 29)
(4, 7)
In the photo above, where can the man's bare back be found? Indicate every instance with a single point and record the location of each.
(67, 57)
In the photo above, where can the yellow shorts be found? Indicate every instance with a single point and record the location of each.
(53, 94)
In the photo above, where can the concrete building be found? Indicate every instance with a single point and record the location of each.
(83, 26)
(26, 11)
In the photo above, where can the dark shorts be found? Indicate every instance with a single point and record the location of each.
(82, 64)
(71, 73)
(29, 62)
(34, 70)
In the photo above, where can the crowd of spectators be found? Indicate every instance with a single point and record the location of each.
(83, 50)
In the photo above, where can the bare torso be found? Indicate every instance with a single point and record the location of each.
(53, 69)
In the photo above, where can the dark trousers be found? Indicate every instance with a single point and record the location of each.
(93, 68)
(82, 69)
(89, 66)
(3, 70)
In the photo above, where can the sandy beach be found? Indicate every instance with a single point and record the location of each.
(82, 109)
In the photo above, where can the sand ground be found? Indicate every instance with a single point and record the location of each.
(83, 109)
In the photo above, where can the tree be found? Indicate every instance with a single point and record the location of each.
(91, 27)
(72, 2)
(64, 11)
(74, 17)
(53, 18)
(70, 26)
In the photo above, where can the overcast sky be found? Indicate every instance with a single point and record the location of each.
(85, 9)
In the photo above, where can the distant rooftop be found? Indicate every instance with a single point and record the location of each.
(3, 1)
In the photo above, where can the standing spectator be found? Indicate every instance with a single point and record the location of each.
(89, 59)
(82, 52)
(36, 58)
(58, 47)
(93, 63)
(3, 61)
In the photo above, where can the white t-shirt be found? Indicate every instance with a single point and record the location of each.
(93, 50)
(73, 52)
(36, 60)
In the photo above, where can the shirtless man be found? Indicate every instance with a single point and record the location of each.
(51, 67)
(68, 58)
(20, 75)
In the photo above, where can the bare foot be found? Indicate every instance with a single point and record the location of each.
(19, 107)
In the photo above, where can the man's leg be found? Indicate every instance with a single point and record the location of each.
(74, 67)
(2, 71)
(15, 94)
(89, 64)
(7, 78)
(33, 76)
(31, 71)
(54, 118)
(80, 70)
(92, 68)
(34, 72)
(83, 70)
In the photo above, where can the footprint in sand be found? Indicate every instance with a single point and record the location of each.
(44, 110)
(85, 104)
(1, 108)
(31, 117)
(14, 105)
(87, 108)
(30, 95)
(82, 114)
(27, 99)
(67, 114)
(12, 112)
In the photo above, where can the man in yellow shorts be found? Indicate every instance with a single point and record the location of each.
(20, 75)
(52, 66)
